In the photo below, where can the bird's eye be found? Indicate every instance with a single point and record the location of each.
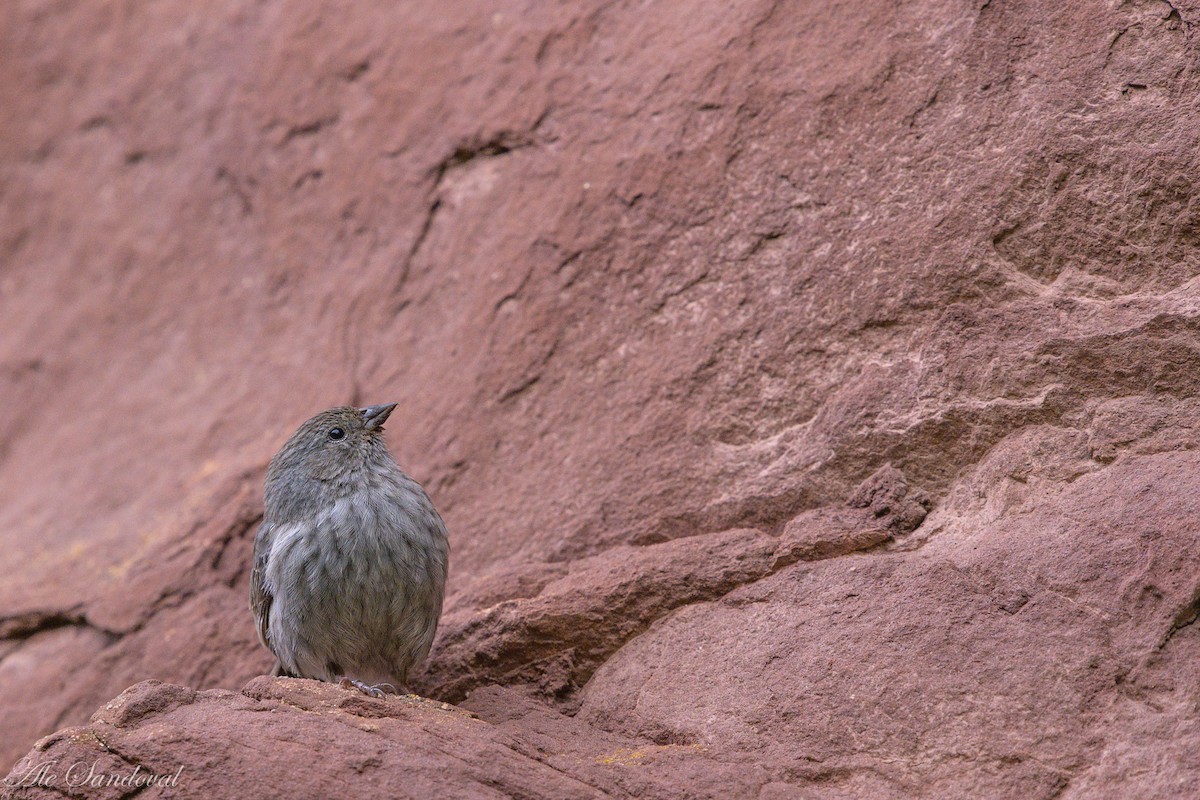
(337, 433)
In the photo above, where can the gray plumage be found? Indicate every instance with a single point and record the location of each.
(350, 561)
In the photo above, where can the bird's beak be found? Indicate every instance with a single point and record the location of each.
(375, 416)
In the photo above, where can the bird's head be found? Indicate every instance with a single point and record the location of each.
(334, 448)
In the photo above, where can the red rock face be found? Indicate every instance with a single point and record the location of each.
(809, 388)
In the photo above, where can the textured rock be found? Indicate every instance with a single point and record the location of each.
(313, 740)
(809, 388)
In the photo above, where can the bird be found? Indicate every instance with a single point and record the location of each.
(351, 558)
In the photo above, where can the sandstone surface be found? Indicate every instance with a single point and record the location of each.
(810, 389)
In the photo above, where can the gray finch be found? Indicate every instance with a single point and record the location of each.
(350, 561)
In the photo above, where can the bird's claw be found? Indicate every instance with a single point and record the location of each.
(379, 691)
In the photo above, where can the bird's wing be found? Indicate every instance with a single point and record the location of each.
(260, 593)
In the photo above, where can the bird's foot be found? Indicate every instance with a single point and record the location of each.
(379, 690)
